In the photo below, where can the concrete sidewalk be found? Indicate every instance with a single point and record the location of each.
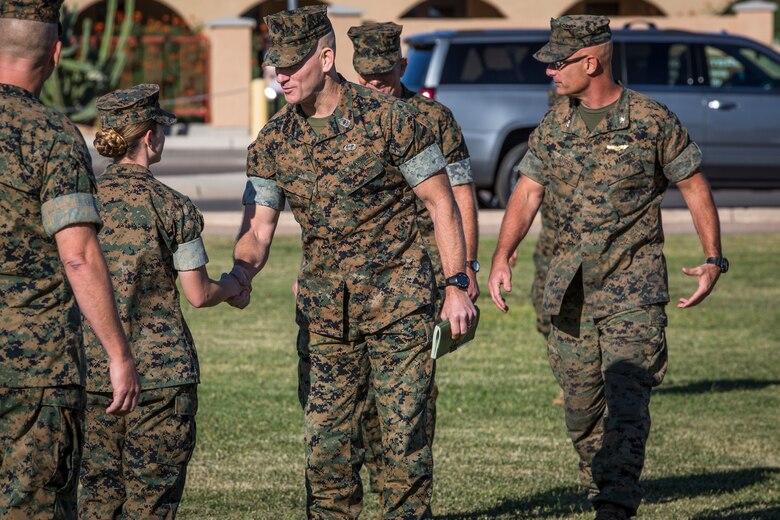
(733, 220)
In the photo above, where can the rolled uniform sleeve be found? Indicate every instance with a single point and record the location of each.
(678, 155)
(531, 166)
(261, 187)
(186, 242)
(412, 146)
(68, 190)
(453, 146)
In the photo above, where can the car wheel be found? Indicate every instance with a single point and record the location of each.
(509, 173)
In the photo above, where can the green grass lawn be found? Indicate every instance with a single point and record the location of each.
(501, 449)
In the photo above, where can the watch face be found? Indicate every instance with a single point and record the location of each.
(459, 280)
(474, 265)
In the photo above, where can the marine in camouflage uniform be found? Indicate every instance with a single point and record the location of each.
(377, 60)
(604, 176)
(46, 186)
(365, 290)
(135, 466)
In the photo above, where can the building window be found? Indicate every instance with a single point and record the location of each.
(615, 8)
(453, 9)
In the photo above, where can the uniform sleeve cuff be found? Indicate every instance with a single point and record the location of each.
(460, 172)
(685, 164)
(263, 192)
(190, 255)
(531, 166)
(423, 165)
(74, 208)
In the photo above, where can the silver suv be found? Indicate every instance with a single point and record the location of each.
(724, 88)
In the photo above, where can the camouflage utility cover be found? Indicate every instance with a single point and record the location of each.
(571, 33)
(605, 189)
(377, 47)
(46, 184)
(46, 11)
(133, 105)
(150, 232)
(439, 119)
(294, 34)
(350, 188)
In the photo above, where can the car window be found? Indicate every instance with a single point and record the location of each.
(734, 66)
(417, 68)
(668, 64)
(494, 63)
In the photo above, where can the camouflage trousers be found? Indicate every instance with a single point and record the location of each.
(40, 448)
(370, 427)
(135, 466)
(607, 368)
(371, 433)
(334, 380)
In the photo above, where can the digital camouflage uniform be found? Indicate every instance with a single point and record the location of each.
(46, 184)
(607, 285)
(365, 289)
(542, 256)
(377, 51)
(135, 466)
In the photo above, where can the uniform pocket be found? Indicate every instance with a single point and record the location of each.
(296, 182)
(566, 170)
(363, 175)
(628, 185)
(57, 448)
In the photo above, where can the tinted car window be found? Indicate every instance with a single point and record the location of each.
(488, 63)
(417, 68)
(667, 64)
(732, 66)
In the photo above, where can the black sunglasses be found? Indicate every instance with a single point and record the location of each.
(558, 65)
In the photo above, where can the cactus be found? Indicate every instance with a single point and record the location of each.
(84, 74)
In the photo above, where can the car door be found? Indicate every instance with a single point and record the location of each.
(666, 72)
(742, 115)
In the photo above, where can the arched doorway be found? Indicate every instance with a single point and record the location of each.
(161, 49)
(453, 9)
(260, 33)
(615, 8)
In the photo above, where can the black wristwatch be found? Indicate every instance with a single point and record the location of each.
(459, 280)
(720, 261)
(473, 265)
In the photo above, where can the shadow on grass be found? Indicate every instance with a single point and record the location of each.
(563, 501)
(750, 511)
(723, 385)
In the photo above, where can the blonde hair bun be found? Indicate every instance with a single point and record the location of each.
(110, 143)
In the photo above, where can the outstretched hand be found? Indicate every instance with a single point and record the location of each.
(707, 275)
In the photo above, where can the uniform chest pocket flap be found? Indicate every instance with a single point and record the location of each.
(363, 173)
(296, 181)
(629, 170)
(566, 169)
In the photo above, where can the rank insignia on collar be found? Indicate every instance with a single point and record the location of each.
(616, 147)
(346, 123)
(349, 147)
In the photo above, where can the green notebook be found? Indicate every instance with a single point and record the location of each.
(442, 338)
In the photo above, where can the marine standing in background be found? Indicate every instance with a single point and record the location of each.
(51, 266)
(603, 161)
(135, 466)
(377, 60)
(350, 161)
